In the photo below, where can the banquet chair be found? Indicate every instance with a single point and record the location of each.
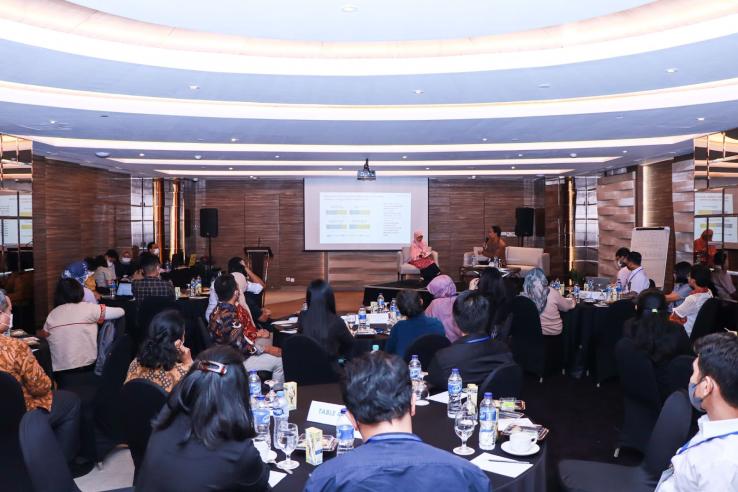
(678, 373)
(306, 363)
(642, 401)
(607, 336)
(535, 352)
(13, 473)
(43, 455)
(147, 309)
(141, 402)
(505, 381)
(425, 347)
(670, 432)
(707, 320)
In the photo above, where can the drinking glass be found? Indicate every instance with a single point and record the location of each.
(464, 426)
(420, 388)
(271, 395)
(287, 438)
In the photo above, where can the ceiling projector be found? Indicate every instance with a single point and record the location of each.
(366, 174)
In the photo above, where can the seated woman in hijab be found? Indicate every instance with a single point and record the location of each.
(549, 302)
(442, 306)
(421, 257)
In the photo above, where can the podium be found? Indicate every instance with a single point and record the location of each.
(259, 257)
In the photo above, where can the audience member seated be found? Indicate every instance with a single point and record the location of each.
(704, 252)
(378, 395)
(441, 307)
(104, 273)
(421, 257)
(494, 246)
(475, 354)
(637, 280)
(416, 324)
(17, 360)
(321, 323)
(71, 327)
(248, 283)
(163, 358)
(202, 439)
(80, 272)
(549, 302)
(231, 324)
(681, 285)
(152, 248)
(125, 267)
(721, 278)
(621, 256)
(498, 292)
(654, 334)
(151, 284)
(709, 461)
(686, 313)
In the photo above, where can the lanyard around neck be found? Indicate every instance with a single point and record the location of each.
(687, 446)
(483, 339)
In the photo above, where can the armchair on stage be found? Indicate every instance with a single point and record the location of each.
(404, 268)
(524, 258)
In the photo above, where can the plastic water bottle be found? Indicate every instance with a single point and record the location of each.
(414, 367)
(304, 306)
(112, 288)
(380, 302)
(454, 393)
(254, 387)
(362, 318)
(193, 286)
(576, 291)
(280, 411)
(198, 286)
(487, 423)
(618, 290)
(344, 433)
(261, 418)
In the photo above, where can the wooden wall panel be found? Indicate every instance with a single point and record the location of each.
(658, 210)
(77, 212)
(556, 206)
(682, 196)
(617, 216)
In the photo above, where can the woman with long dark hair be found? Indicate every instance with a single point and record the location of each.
(202, 439)
(498, 292)
(163, 358)
(320, 321)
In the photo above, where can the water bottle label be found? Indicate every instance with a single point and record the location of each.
(277, 412)
(255, 389)
(362, 316)
(345, 433)
(261, 416)
(454, 387)
(414, 373)
(487, 414)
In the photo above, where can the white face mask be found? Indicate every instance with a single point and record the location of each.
(155, 251)
(9, 320)
(110, 264)
(125, 261)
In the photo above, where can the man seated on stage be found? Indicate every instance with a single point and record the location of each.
(475, 354)
(151, 284)
(232, 324)
(637, 278)
(494, 246)
(378, 394)
(620, 259)
(709, 461)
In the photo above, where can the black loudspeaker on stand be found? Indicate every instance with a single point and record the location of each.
(209, 229)
(524, 220)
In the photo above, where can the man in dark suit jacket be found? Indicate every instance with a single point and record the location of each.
(475, 354)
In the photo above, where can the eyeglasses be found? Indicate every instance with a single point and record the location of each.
(210, 366)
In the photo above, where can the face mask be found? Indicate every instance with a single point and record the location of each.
(694, 399)
(125, 261)
(156, 251)
(110, 264)
(10, 321)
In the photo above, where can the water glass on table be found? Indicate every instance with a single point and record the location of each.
(287, 439)
(464, 427)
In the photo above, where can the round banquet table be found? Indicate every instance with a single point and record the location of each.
(362, 343)
(430, 423)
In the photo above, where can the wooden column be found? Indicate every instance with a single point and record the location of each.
(158, 191)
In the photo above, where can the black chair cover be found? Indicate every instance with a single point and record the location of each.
(608, 335)
(670, 432)
(678, 373)
(505, 381)
(43, 456)
(147, 309)
(425, 347)
(305, 362)
(707, 320)
(141, 402)
(13, 473)
(532, 350)
(641, 393)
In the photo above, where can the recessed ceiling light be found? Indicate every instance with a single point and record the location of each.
(418, 92)
(539, 175)
(473, 177)
(198, 156)
(512, 167)
(252, 177)
(53, 122)
(544, 85)
(340, 169)
(230, 169)
(484, 139)
(701, 118)
(276, 157)
(194, 87)
(672, 70)
(141, 154)
(625, 152)
(234, 139)
(520, 155)
(195, 179)
(348, 8)
(619, 117)
(404, 157)
(427, 169)
(102, 154)
(573, 154)
(117, 167)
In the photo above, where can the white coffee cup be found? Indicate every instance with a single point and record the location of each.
(522, 442)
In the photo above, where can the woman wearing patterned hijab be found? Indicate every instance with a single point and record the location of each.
(421, 257)
(549, 302)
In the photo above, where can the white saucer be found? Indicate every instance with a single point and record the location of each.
(271, 456)
(508, 449)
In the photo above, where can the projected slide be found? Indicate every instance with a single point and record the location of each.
(371, 218)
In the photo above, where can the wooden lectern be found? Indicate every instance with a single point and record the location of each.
(259, 257)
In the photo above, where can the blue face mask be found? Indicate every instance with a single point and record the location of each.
(693, 399)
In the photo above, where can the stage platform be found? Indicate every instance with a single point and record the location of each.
(391, 289)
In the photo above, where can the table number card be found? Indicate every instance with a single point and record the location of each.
(377, 318)
(324, 413)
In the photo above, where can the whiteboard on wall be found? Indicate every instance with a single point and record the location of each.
(653, 245)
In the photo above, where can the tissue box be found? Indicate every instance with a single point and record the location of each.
(314, 446)
(290, 392)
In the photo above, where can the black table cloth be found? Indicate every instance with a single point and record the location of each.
(430, 423)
